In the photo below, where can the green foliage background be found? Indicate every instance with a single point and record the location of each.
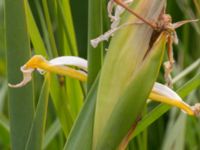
(64, 27)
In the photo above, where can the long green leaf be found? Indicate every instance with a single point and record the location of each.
(21, 106)
(50, 29)
(74, 95)
(51, 133)
(44, 30)
(177, 138)
(79, 13)
(34, 34)
(58, 95)
(81, 134)
(3, 92)
(67, 42)
(95, 28)
(66, 17)
(36, 134)
(5, 131)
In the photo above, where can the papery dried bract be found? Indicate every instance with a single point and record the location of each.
(115, 19)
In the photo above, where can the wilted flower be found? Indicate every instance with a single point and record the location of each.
(63, 66)
(60, 65)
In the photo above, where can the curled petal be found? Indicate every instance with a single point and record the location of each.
(26, 78)
(165, 91)
(70, 61)
(115, 19)
(162, 93)
(60, 65)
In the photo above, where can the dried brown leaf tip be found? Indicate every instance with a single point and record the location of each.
(163, 24)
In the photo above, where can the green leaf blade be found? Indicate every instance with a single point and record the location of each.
(36, 134)
(21, 104)
(95, 28)
(81, 135)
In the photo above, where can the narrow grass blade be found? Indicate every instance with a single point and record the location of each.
(53, 130)
(58, 96)
(67, 44)
(95, 28)
(50, 29)
(34, 33)
(3, 92)
(176, 134)
(5, 132)
(80, 20)
(36, 134)
(44, 28)
(66, 17)
(75, 96)
(2, 32)
(188, 70)
(81, 134)
(21, 106)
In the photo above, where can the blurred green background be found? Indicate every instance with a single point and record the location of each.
(173, 130)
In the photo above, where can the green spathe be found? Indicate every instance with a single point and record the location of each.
(123, 115)
(124, 57)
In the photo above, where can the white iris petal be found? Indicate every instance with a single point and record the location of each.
(70, 61)
(166, 91)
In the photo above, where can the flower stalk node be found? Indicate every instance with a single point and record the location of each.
(196, 109)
